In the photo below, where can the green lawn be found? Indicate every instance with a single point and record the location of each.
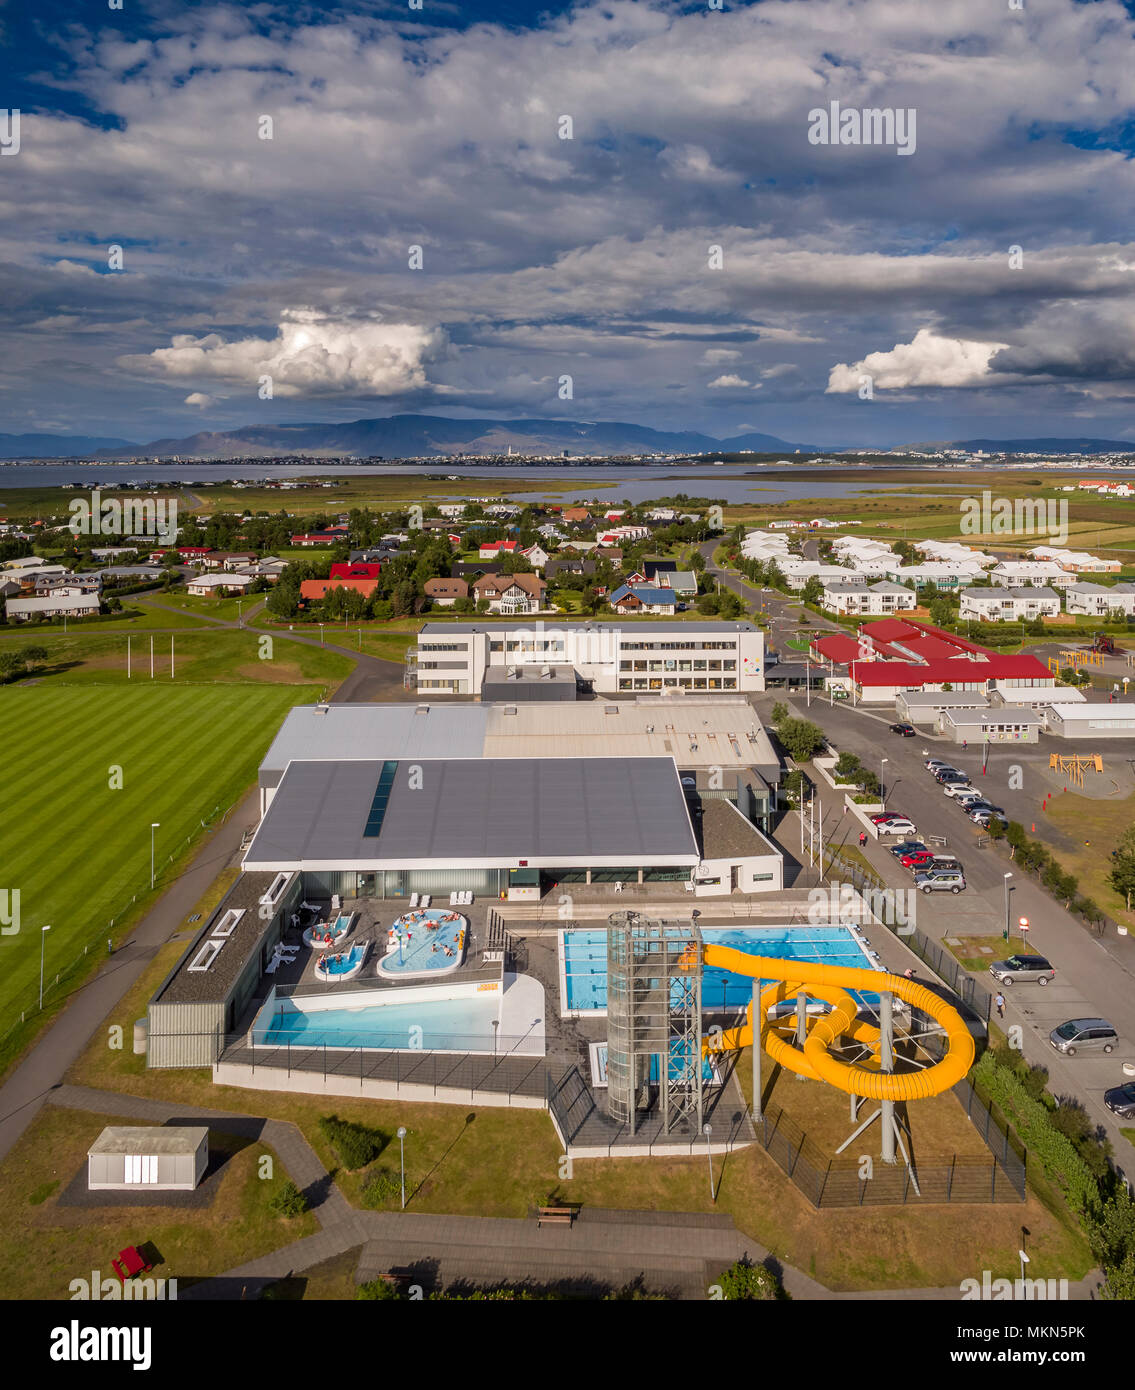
(227, 609)
(203, 655)
(78, 850)
(136, 615)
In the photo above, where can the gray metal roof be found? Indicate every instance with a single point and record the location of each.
(149, 1139)
(332, 733)
(495, 810)
(726, 629)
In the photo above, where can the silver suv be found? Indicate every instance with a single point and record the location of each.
(1084, 1035)
(1022, 967)
(940, 881)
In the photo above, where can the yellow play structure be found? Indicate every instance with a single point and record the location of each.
(831, 983)
(1076, 765)
(1074, 659)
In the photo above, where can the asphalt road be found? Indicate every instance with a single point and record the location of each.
(1094, 976)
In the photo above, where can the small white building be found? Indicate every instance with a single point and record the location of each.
(22, 610)
(1096, 721)
(1015, 574)
(148, 1158)
(208, 585)
(1010, 725)
(1100, 600)
(874, 600)
(998, 604)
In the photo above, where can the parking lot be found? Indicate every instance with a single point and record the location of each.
(1095, 977)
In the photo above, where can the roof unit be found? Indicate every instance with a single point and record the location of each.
(205, 956)
(228, 923)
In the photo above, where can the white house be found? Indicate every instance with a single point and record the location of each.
(206, 585)
(536, 556)
(936, 574)
(1075, 561)
(1015, 574)
(997, 604)
(1098, 600)
(21, 610)
(875, 600)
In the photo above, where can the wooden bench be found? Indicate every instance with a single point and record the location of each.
(556, 1216)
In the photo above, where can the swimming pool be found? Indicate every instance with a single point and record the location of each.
(425, 949)
(440, 1025)
(584, 962)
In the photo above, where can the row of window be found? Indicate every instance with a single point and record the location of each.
(443, 646)
(699, 646)
(533, 646)
(677, 682)
(672, 665)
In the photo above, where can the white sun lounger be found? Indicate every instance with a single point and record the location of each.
(413, 899)
(425, 900)
(273, 966)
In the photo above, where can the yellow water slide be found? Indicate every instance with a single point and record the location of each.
(788, 978)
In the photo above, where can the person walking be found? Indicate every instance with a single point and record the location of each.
(862, 839)
(1000, 1002)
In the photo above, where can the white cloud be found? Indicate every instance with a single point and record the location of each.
(313, 354)
(718, 357)
(929, 360)
(200, 398)
(729, 382)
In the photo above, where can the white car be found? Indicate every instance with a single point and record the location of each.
(933, 764)
(897, 827)
(966, 796)
(960, 789)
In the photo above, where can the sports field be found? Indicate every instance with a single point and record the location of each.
(76, 846)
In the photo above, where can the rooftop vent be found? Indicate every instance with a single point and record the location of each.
(205, 956)
(422, 709)
(272, 896)
(510, 709)
(227, 924)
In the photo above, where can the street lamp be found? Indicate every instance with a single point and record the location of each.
(496, 1024)
(402, 1150)
(154, 825)
(882, 789)
(1008, 890)
(42, 944)
(707, 1130)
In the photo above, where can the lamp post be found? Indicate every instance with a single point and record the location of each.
(496, 1024)
(239, 613)
(154, 825)
(42, 945)
(882, 789)
(321, 634)
(707, 1130)
(1007, 892)
(402, 1151)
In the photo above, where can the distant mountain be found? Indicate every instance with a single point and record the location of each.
(1045, 446)
(57, 446)
(410, 436)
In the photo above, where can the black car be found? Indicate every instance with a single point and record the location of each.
(906, 847)
(907, 730)
(950, 776)
(1120, 1100)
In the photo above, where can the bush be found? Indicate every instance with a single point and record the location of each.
(355, 1145)
(288, 1201)
(378, 1290)
(380, 1187)
(745, 1280)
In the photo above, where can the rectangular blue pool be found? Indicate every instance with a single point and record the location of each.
(585, 961)
(439, 1025)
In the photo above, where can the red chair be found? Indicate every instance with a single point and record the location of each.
(130, 1262)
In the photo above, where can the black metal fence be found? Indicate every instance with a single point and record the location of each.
(829, 1181)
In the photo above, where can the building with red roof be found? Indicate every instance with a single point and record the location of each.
(356, 569)
(313, 590)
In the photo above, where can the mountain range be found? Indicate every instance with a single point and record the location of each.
(419, 436)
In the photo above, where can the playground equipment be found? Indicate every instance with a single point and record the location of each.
(1104, 644)
(1076, 765)
(1074, 659)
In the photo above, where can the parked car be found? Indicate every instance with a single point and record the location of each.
(902, 826)
(1120, 1100)
(906, 730)
(982, 815)
(917, 858)
(946, 775)
(878, 817)
(1084, 1035)
(906, 847)
(1022, 967)
(959, 789)
(939, 881)
(933, 764)
(967, 797)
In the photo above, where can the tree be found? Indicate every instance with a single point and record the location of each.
(1122, 875)
(801, 739)
(779, 713)
(730, 607)
(813, 591)
(33, 657)
(708, 604)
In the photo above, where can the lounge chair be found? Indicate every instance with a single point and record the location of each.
(273, 966)
(413, 899)
(425, 900)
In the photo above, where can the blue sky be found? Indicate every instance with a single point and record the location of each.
(590, 258)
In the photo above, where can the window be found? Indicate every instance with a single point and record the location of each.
(141, 1168)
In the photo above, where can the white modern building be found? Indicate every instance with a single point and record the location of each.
(1100, 600)
(22, 610)
(874, 600)
(1076, 561)
(1097, 721)
(611, 658)
(935, 574)
(1014, 574)
(998, 604)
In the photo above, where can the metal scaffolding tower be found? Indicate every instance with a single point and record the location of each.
(654, 1021)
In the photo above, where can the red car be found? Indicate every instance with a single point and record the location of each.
(917, 859)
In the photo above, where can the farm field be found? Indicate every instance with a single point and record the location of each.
(80, 848)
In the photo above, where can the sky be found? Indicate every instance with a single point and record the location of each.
(637, 210)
